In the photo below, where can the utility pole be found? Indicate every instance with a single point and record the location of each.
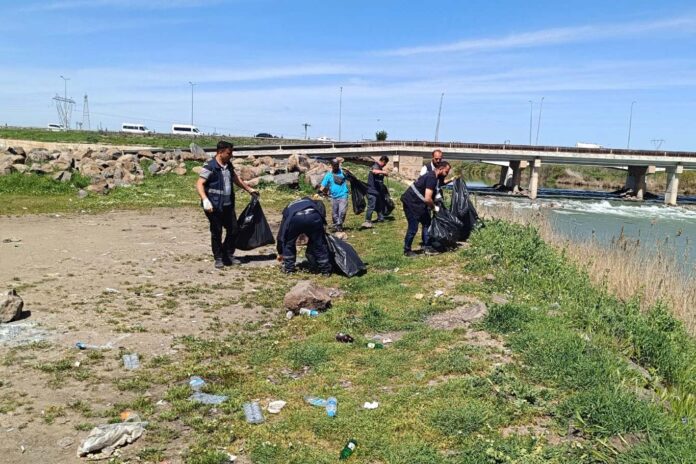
(541, 106)
(531, 109)
(85, 114)
(657, 143)
(64, 105)
(340, 111)
(439, 113)
(630, 123)
(306, 125)
(192, 84)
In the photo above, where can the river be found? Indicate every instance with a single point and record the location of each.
(600, 216)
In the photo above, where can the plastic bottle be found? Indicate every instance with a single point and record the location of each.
(315, 401)
(331, 406)
(344, 338)
(375, 346)
(253, 413)
(131, 361)
(347, 450)
(196, 383)
(309, 312)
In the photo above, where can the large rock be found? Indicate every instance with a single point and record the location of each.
(37, 156)
(197, 169)
(79, 155)
(246, 172)
(63, 176)
(290, 179)
(39, 169)
(298, 163)
(180, 170)
(17, 151)
(64, 162)
(154, 168)
(11, 306)
(264, 161)
(315, 177)
(21, 168)
(146, 154)
(89, 168)
(100, 186)
(307, 294)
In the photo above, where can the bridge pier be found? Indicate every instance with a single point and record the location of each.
(505, 178)
(635, 180)
(673, 184)
(534, 178)
(515, 181)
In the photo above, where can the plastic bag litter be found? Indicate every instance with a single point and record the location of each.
(103, 440)
(344, 257)
(463, 209)
(358, 190)
(254, 231)
(388, 202)
(445, 230)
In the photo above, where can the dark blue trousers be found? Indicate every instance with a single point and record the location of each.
(312, 225)
(414, 219)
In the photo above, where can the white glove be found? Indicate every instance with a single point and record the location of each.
(437, 209)
(207, 205)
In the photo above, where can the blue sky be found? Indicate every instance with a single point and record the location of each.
(269, 66)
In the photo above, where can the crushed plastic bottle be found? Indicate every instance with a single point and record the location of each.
(375, 346)
(316, 401)
(131, 361)
(253, 413)
(309, 312)
(348, 450)
(331, 406)
(196, 383)
(344, 338)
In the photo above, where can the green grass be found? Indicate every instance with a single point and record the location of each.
(442, 400)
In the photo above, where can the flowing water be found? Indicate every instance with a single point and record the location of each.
(600, 216)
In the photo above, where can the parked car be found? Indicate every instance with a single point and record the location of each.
(185, 129)
(264, 135)
(55, 127)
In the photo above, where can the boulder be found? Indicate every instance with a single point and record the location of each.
(290, 179)
(146, 154)
(39, 169)
(197, 169)
(154, 168)
(21, 168)
(266, 179)
(100, 186)
(89, 168)
(64, 162)
(180, 170)
(178, 155)
(79, 155)
(264, 161)
(298, 163)
(11, 306)
(307, 294)
(37, 156)
(315, 178)
(246, 172)
(17, 151)
(197, 153)
(63, 176)
(82, 193)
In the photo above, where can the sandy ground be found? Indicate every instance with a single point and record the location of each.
(102, 279)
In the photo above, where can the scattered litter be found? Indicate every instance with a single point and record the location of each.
(309, 312)
(22, 448)
(11, 240)
(344, 338)
(231, 457)
(104, 439)
(111, 290)
(418, 296)
(85, 346)
(347, 450)
(253, 413)
(315, 401)
(371, 405)
(289, 315)
(274, 407)
(159, 295)
(129, 416)
(77, 364)
(196, 383)
(387, 340)
(131, 361)
(331, 406)
(206, 398)
(438, 293)
(375, 346)
(162, 403)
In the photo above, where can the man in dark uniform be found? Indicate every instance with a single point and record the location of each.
(418, 200)
(304, 216)
(214, 186)
(375, 191)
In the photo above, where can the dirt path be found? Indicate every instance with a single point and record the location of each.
(134, 280)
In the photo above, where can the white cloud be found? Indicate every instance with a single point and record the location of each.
(554, 36)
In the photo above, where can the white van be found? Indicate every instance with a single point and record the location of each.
(55, 127)
(134, 128)
(185, 129)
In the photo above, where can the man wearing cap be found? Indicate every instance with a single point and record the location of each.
(214, 186)
(335, 186)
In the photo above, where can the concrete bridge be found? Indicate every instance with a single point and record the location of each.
(408, 156)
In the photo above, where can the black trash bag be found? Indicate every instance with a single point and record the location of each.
(358, 191)
(388, 202)
(445, 230)
(344, 257)
(463, 209)
(254, 231)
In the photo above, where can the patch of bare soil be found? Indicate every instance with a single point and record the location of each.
(459, 317)
(129, 281)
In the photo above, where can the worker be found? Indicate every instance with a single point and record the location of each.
(304, 216)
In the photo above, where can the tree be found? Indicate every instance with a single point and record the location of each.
(381, 136)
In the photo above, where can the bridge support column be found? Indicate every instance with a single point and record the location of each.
(534, 178)
(517, 167)
(505, 178)
(635, 180)
(672, 184)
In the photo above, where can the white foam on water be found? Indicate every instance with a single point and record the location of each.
(626, 211)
